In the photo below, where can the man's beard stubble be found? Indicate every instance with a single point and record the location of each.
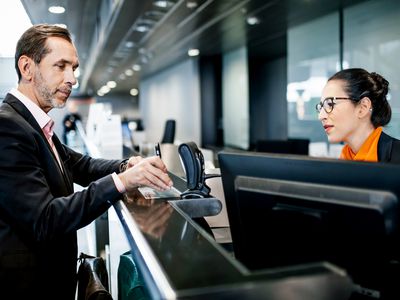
(45, 93)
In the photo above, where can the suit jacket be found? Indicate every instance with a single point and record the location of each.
(39, 213)
(388, 149)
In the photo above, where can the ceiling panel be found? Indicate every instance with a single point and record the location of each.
(109, 40)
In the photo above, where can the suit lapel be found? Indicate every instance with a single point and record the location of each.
(21, 109)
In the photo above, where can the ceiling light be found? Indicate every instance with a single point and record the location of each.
(104, 89)
(144, 59)
(77, 73)
(193, 52)
(191, 4)
(113, 63)
(155, 14)
(136, 67)
(128, 72)
(134, 92)
(61, 25)
(163, 3)
(122, 76)
(129, 44)
(252, 20)
(142, 27)
(111, 84)
(149, 55)
(56, 9)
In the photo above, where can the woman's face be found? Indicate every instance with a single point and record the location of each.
(342, 122)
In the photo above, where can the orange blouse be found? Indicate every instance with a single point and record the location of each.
(367, 152)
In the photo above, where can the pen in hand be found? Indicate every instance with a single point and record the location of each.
(158, 151)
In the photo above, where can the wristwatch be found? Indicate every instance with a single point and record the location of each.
(123, 165)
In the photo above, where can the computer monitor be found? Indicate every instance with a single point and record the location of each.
(291, 209)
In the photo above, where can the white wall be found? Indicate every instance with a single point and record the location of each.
(124, 105)
(172, 94)
(8, 76)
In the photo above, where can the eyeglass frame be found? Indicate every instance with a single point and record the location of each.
(319, 106)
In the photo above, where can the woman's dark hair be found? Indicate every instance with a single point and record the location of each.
(359, 83)
(32, 43)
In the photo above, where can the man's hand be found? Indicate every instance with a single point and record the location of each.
(133, 160)
(149, 171)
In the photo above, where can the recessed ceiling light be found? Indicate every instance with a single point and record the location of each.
(136, 67)
(128, 72)
(56, 9)
(252, 20)
(129, 44)
(144, 59)
(104, 89)
(191, 4)
(142, 27)
(134, 92)
(111, 84)
(193, 52)
(163, 3)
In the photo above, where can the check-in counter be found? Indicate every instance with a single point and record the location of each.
(164, 249)
(158, 250)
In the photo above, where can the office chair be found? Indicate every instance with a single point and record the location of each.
(274, 146)
(300, 146)
(169, 132)
(289, 146)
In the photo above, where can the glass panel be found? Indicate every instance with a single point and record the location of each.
(372, 42)
(313, 56)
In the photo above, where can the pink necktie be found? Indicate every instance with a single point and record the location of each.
(48, 132)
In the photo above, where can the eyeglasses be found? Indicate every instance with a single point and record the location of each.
(328, 104)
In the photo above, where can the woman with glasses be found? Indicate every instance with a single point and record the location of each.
(353, 110)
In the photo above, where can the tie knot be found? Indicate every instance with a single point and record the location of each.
(48, 129)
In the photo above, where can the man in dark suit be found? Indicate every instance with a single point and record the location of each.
(39, 211)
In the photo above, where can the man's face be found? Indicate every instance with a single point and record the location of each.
(54, 75)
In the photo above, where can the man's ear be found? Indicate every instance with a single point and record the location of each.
(365, 107)
(26, 65)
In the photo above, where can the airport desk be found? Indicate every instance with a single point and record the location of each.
(159, 250)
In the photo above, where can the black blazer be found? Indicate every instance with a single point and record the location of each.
(39, 213)
(388, 149)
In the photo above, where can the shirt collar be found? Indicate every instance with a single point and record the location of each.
(40, 116)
